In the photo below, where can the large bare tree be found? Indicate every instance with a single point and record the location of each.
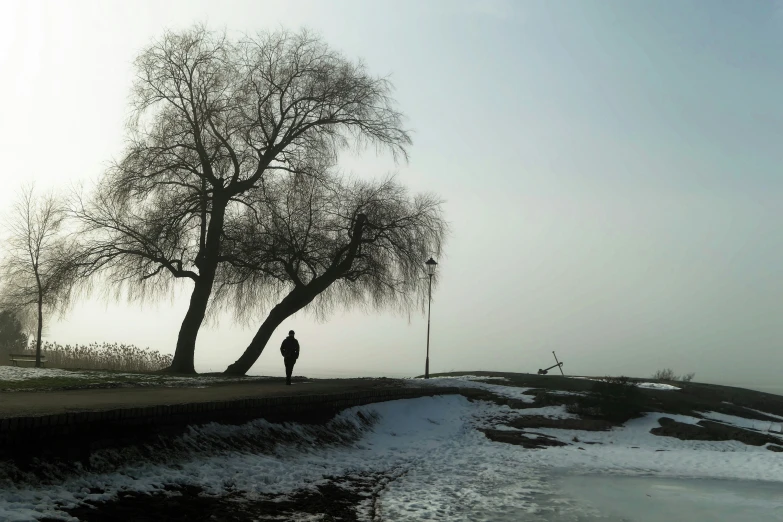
(318, 241)
(39, 267)
(213, 119)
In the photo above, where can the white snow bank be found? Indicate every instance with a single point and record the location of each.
(656, 386)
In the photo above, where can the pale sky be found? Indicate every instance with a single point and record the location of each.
(611, 171)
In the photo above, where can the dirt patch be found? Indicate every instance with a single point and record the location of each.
(712, 431)
(538, 421)
(482, 395)
(518, 438)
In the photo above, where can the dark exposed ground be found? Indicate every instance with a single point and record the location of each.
(337, 499)
(537, 421)
(527, 440)
(60, 401)
(710, 430)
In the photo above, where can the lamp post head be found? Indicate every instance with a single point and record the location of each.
(431, 265)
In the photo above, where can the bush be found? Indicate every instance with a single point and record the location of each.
(104, 356)
(667, 374)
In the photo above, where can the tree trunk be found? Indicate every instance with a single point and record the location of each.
(40, 331)
(297, 299)
(184, 355)
(257, 345)
(207, 261)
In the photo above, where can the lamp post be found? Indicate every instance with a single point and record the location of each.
(431, 265)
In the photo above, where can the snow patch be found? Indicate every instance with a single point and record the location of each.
(741, 422)
(19, 373)
(773, 416)
(511, 392)
(472, 378)
(656, 386)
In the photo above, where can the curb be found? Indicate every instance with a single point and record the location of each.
(77, 434)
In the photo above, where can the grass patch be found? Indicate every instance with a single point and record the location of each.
(107, 379)
(65, 383)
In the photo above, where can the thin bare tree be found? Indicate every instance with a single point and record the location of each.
(214, 119)
(39, 266)
(318, 241)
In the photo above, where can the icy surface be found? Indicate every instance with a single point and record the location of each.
(656, 386)
(653, 499)
(441, 467)
(648, 385)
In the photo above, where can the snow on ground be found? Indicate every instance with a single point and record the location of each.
(648, 385)
(633, 450)
(512, 392)
(442, 467)
(656, 386)
(473, 378)
(765, 413)
(445, 468)
(741, 422)
(19, 373)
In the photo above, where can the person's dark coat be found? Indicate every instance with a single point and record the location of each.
(290, 348)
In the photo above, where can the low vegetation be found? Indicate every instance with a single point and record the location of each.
(104, 356)
(667, 374)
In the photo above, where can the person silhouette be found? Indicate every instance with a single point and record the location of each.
(290, 351)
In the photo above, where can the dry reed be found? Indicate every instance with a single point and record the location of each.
(103, 356)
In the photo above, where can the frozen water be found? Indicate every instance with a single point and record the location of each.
(648, 499)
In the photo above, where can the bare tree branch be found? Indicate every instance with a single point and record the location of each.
(318, 242)
(214, 122)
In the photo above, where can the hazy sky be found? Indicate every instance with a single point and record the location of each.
(612, 172)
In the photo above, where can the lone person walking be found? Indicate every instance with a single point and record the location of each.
(290, 351)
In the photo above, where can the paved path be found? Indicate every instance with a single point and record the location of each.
(13, 404)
